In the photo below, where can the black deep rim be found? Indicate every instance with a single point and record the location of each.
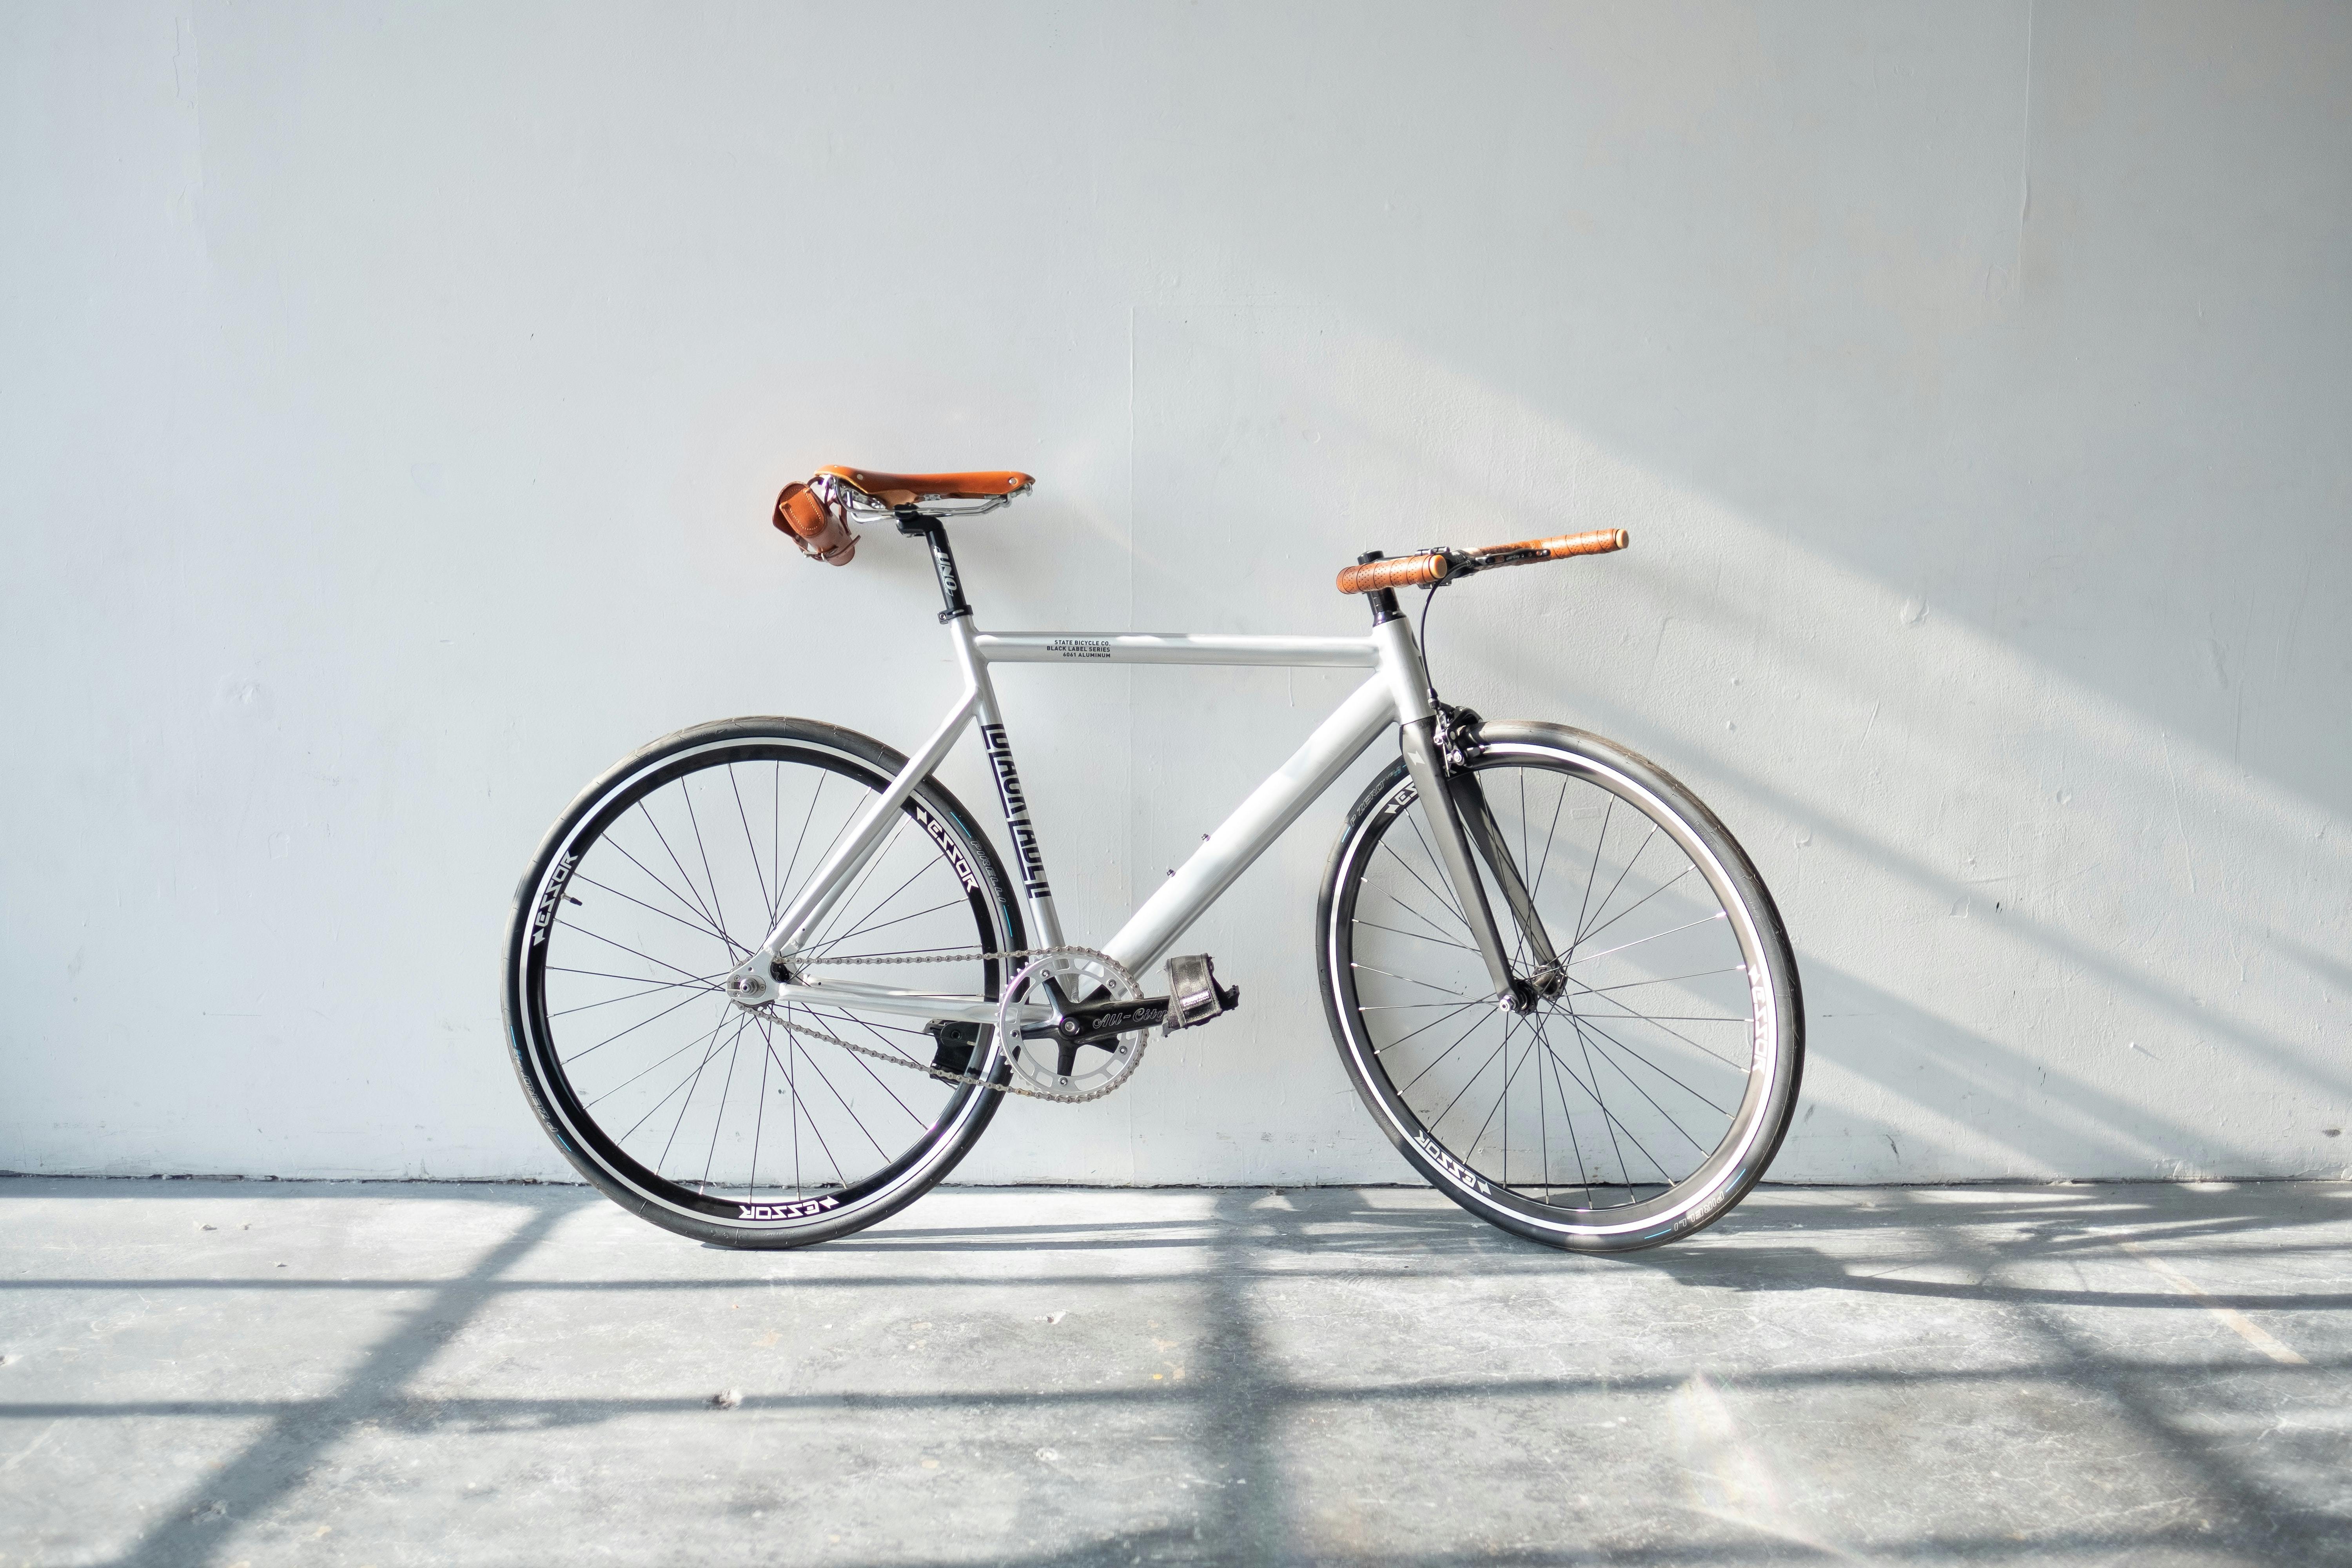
(1771, 1095)
(951, 1126)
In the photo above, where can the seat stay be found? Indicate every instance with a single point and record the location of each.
(832, 879)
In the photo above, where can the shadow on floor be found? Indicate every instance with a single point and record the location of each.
(1242, 1395)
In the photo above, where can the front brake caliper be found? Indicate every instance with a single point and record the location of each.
(1457, 735)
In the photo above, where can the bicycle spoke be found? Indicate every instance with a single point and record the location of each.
(759, 1118)
(1421, 918)
(1609, 1118)
(1621, 875)
(1523, 830)
(868, 917)
(686, 1104)
(720, 1121)
(876, 854)
(1452, 908)
(792, 1093)
(1629, 909)
(1670, 979)
(1576, 1145)
(1635, 1083)
(881, 1040)
(776, 839)
(1448, 1051)
(918, 1120)
(1592, 872)
(630, 1030)
(695, 823)
(708, 1047)
(1449, 1012)
(624, 947)
(1588, 1022)
(1543, 1127)
(1718, 915)
(867, 930)
(639, 979)
(785, 881)
(1439, 1120)
(1558, 801)
(700, 908)
(826, 1079)
(1414, 935)
(1408, 979)
(766, 903)
(1654, 1018)
(700, 929)
(690, 1045)
(1502, 1103)
(702, 917)
(607, 1002)
(815, 1131)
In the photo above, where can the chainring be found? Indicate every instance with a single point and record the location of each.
(1081, 974)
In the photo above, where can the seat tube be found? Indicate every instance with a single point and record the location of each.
(1045, 925)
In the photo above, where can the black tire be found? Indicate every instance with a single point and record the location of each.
(1715, 1103)
(663, 934)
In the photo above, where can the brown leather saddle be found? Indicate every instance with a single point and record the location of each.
(903, 489)
(816, 514)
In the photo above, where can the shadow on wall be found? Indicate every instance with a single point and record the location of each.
(1977, 438)
(2068, 913)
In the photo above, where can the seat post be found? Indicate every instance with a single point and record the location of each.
(930, 530)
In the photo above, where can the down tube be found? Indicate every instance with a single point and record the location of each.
(1255, 824)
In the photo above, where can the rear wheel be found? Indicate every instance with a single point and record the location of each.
(725, 1124)
(1650, 1086)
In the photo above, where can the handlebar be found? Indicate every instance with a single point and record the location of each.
(1430, 567)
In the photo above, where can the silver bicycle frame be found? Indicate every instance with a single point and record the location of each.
(1396, 692)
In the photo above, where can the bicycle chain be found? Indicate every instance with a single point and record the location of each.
(973, 1078)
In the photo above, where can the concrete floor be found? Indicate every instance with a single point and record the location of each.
(226, 1372)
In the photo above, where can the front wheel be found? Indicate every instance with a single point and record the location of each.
(1650, 1085)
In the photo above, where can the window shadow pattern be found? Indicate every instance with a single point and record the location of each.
(1367, 1375)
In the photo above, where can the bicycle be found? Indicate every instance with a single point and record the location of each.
(1553, 976)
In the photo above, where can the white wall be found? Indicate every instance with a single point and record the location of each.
(393, 396)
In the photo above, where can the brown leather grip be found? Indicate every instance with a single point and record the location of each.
(1600, 541)
(1400, 572)
(816, 527)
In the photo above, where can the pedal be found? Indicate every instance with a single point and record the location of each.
(955, 1042)
(1193, 994)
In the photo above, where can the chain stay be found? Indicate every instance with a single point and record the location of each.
(973, 1078)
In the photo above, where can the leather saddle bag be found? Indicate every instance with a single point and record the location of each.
(817, 525)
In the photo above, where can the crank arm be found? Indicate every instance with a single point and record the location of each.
(1101, 1023)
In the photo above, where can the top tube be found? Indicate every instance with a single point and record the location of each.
(1175, 647)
